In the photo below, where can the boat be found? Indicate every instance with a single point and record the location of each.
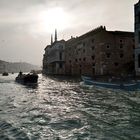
(27, 78)
(5, 74)
(123, 86)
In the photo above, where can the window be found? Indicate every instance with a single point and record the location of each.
(92, 47)
(79, 59)
(108, 46)
(60, 56)
(108, 55)
(84, 59)
(121, 41)
(70, 61)
(93, 65)
(83, 50)
(116, 63)
(75, 60)
(60, 66)
(84, 43)
(121, 46)
(121, 55)
(92, 40)
(133, 46)
(93, 57)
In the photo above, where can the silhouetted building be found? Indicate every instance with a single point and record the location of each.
(100, 52)
(54, 57)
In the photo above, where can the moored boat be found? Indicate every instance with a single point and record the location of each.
(124, 86)
(5, 74)
(27, 78)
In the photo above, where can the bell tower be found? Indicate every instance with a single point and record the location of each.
(51, 39)
(55, 38)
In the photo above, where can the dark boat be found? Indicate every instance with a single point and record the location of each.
(27, 78)
(5, 74)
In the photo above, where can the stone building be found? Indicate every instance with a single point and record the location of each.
(100, 52)
(137, 38)
(54, 57)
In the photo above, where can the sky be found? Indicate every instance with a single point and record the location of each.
(26, 25)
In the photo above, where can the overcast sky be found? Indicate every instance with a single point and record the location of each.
(26, 25)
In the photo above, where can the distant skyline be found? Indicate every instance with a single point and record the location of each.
(26, 25)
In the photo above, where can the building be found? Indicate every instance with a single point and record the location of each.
(137, 38)
(100, 52)
(54, 57)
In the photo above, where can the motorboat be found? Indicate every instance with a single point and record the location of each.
(27, 78)
(125, 86)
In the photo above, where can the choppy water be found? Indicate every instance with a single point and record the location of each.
(63, 110)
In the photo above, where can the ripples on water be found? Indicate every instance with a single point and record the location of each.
(65, 110)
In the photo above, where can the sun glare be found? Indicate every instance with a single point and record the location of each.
(54, 18)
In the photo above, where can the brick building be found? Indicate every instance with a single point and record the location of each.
(100, 52)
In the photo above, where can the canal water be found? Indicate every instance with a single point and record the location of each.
(64, 109)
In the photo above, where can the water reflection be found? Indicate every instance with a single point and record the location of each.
(30, 85)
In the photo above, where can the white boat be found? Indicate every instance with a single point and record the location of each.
(125, 86)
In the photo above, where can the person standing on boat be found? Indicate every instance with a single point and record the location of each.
(20, 74)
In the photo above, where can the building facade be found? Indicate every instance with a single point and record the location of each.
(100, 52)
(137, 38)
(54, 58)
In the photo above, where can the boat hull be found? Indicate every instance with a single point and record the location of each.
(29, 78)
(5, 74)
(129, 86)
